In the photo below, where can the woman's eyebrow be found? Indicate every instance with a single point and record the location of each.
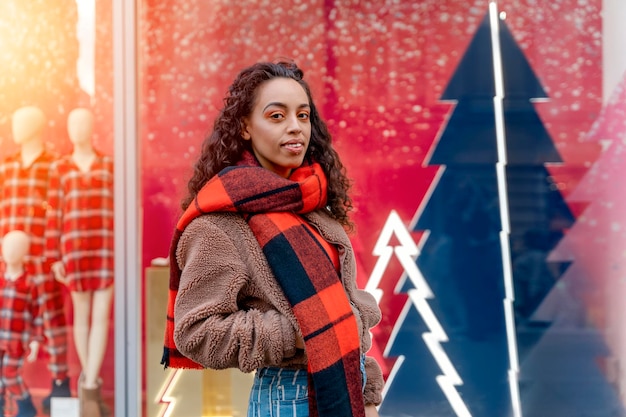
(284, 106)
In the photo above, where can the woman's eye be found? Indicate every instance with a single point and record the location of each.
(303, 116)
(276, 116)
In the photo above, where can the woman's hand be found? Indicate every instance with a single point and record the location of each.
(371, 411)
(299, 341)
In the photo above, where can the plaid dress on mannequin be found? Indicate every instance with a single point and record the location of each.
(79, 228)
(23, 206)
(18, 310)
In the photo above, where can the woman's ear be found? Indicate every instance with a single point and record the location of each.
(244, 130)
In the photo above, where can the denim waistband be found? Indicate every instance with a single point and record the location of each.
(271, 371)
(299, 376)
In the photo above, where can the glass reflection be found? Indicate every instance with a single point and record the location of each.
(56, 187)
(408, 91)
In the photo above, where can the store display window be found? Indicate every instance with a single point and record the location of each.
(484, 142)
(56, 210)
(482, 139)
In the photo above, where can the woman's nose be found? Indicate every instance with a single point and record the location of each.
(294, 124)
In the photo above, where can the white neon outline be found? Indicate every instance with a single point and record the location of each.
(164, 395)
(392, 374)
(406, 254)
(509, 296)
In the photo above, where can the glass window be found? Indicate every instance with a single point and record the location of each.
(56, 191)
(485, 145)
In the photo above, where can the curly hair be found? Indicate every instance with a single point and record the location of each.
(224, 146)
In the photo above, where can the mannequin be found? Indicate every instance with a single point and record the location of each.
(18, 304)
(27, 125)
(79, 242)
(26, 174)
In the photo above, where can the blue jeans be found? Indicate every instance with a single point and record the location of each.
(279, 392)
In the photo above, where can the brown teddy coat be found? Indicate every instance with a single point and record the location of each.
(231, 313)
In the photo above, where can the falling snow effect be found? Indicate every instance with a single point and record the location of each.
(377, 71)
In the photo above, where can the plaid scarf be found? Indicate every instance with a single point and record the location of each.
(303, 269)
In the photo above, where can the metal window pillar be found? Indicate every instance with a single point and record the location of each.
(127, 225)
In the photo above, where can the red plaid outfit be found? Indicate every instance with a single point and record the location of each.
(18, 310)
(23, 207)
(79, 228)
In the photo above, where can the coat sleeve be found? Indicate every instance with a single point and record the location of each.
(211, 328)
(54, 217)
(370, 316)
(35, 311)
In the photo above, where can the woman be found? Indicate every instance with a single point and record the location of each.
(262, 271)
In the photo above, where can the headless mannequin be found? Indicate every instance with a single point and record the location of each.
(27, 125)
(80, 131)
(15, 247)
(90, 338)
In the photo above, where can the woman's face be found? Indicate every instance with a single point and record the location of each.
(279, 126)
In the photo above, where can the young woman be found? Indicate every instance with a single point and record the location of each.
(262, 271)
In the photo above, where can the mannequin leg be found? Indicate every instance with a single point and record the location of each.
(55, 332)
(55, 329)
(98, 335)
(14, 383)
(81, 302)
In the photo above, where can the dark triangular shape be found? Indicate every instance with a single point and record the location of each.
(463, 204)
(470, 135)
(474, 76)
(527, 140)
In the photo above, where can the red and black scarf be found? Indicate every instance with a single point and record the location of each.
(302, 267)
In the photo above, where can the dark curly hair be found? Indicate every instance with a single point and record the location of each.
(224, 146)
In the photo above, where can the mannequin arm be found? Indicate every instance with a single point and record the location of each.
(59, 272)
(34, 351)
